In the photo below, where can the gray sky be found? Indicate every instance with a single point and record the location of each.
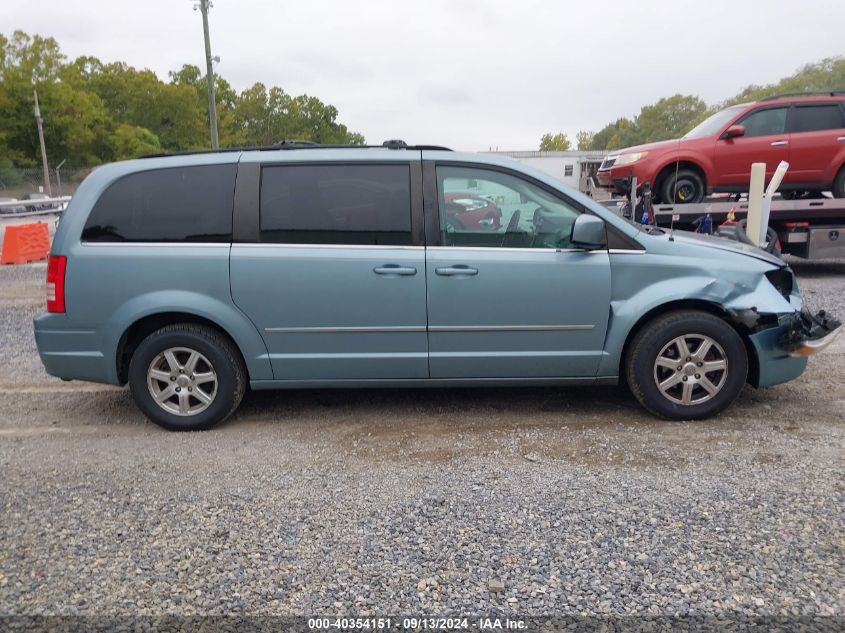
(469, 74)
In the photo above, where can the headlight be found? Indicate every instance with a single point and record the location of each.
(783, 280)
(627, 159)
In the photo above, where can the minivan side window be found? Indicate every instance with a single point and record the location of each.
(489, 208)
(336, 204)
(765, 122)
(178, 204)
(810, 118)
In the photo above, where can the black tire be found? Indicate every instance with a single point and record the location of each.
(839, 184)
(690, 187)
(221, 356)
(658, 335)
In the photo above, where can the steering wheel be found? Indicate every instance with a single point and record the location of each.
(512, 224)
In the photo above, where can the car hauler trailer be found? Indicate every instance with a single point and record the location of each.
(809, 228)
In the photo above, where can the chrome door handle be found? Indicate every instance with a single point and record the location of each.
(840, 138)
(456, 271)
(776, 143)
(393, 269)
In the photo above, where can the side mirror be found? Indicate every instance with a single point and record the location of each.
(588, 232)
(734, 131)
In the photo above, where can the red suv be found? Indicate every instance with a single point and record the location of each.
(716, 155)
(467, 211)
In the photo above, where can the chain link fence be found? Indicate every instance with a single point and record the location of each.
(17, 182)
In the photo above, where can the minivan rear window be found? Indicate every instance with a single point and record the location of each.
(336, 204)
(179, 204)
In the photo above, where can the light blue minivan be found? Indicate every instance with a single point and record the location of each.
(191, 277)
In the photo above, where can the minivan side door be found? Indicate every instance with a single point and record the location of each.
(817, 135)
(328, 262)
(765, 140)
(509, 299)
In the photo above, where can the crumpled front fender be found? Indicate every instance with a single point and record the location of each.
(745, 295)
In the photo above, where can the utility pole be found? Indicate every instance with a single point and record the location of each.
(39, 122)
(205, 5)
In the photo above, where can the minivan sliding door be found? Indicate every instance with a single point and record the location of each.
(332, 271)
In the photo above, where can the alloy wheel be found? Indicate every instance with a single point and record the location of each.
(691, 369)
(182, 381)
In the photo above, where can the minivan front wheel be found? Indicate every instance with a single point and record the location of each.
(686, 365)
(186, 377)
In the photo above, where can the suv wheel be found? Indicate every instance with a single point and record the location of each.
(686, 365)
(685, 187)
(187, 377)
(839, 184)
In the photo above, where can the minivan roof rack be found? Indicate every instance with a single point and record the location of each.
(300, 144)
(811, 93)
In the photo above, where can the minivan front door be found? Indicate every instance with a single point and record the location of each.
(334, 279)
(511, 299)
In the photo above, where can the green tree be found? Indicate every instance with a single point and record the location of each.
(355, 138)
(95, 111)
(602, 138)
(264, 117)
(76, 125)
(584, 140)
(225, 98)
(827, 74)
(139, 98)
(670, 117)
(625, 134)
(554, 142)
(26, 63)
(129, 141)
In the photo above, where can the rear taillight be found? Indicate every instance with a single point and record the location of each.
(56, 266)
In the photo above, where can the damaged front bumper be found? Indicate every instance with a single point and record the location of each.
(783, 342)
(811, 333)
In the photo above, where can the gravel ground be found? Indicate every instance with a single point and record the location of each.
(515, 502)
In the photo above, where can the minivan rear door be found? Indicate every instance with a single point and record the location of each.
(329, 264)
(511, 298)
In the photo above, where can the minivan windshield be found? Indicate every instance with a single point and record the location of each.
(714, 123)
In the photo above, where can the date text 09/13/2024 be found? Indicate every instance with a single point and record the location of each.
(416, 624)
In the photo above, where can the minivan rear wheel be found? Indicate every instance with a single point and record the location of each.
(187, 377)
(686, 365)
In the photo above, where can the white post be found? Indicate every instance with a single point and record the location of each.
(755, 201)
(777, 178)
